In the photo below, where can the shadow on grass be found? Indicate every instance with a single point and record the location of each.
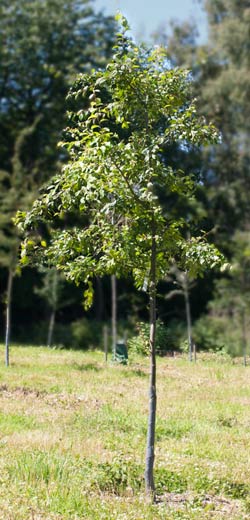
(84, 367)
(134, 372)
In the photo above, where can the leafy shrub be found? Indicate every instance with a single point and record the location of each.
(118, 476)
(140, 344)
(86, 333)
(168, 338)
(177, 332)
(208, 334)
(218, 334)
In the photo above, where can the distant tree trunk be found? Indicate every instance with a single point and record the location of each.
(105, 342)
(51, 327)
(188, 318)
(114, 313)
(8, 315)
(150, 450)
(54, 290)
(244, 337)
(194, 351)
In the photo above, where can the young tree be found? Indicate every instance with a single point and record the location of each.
(115, 174)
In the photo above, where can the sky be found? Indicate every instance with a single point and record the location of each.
(145, 16)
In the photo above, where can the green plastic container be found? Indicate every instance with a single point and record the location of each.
(121, 353)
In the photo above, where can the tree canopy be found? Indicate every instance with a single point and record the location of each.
(117, 170)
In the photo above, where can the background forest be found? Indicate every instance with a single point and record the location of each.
(43, 46)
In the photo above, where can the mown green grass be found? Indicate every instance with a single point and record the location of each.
(72, 438)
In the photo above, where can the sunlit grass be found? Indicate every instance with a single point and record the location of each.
(72, 438)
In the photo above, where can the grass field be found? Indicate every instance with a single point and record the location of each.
(72, 438)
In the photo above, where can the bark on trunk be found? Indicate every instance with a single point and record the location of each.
(8, 316)
(114, 313)
(150, 455)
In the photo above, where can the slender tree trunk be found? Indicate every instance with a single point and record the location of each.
(194, 351)
(114, 313)
(51, 327)
(188, 318)
(54, 301)
(8, 316)
(105, 342)
(244, 337)
(150, 455)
